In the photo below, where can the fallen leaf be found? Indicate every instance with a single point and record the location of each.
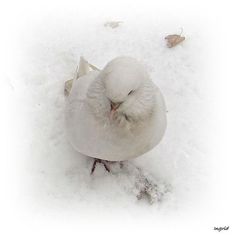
(173, 40)
(113, 24)
(68, 86)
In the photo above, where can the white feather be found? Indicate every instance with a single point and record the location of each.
(136, 127)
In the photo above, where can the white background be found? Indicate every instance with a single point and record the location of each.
(216, 18)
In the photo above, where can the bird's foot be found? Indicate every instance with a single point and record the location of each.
(105, 163)
(99, 161)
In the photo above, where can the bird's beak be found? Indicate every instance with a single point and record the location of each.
(115, 106)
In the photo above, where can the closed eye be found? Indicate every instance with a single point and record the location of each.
(131, 92)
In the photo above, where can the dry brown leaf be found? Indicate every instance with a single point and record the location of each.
(68, 86)
(173, 40)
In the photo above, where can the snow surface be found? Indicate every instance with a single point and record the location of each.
(58, 178)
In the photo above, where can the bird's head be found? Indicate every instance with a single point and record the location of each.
(123, 93)
(128, 89)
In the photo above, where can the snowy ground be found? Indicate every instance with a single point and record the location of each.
(46, 188)
(57, 176)
(54, 177)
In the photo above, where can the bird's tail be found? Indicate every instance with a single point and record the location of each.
(83, 69)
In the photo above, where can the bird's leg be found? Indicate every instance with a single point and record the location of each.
(99, 161)
(121, 164)
(94, 166)
(105, 164)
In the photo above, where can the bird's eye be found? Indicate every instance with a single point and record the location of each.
(130, 92)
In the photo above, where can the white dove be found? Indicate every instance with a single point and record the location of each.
(115, 114)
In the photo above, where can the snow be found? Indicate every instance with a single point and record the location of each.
(55, 179)
(59, 176)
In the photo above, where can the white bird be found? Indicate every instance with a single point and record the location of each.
(115, 114)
